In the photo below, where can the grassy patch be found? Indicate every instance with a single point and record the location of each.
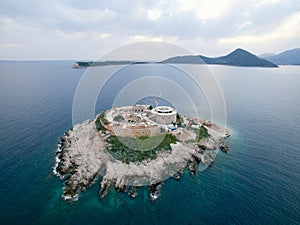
(202, 134)
(127, 149)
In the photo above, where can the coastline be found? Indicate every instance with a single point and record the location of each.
(82, 157)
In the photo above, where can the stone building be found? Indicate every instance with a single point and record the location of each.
(163, 115)
(139, 120)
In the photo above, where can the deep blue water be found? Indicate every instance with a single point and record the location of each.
(257, 182)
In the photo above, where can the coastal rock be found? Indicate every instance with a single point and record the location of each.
(133, 192)
(208, 158)
(81, 161)
(208, 144)
(176, 176)
(155, 190)
(104, 186)
(224, 148)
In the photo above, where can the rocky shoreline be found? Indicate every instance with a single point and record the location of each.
(82, 157)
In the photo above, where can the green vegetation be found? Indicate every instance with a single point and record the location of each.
(104, 121)
(118, 118)
(202, 134)
(98, 123)
(179, 120)
(150, 107)
(127, 149)
(102, 118)
(102, 115)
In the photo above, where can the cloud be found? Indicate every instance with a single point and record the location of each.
(83, 29)
(263, 2)
(286, 32)
(154, 14)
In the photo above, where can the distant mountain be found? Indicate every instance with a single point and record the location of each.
(289, 57)
(265, 55)
(238, 57)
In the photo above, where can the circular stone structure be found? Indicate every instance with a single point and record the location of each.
(164, 115)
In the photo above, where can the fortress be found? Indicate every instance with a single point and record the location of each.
(139, 120)
(93, 148)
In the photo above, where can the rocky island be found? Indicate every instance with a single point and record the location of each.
(135, 146)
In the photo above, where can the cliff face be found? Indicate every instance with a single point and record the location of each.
(80, 158)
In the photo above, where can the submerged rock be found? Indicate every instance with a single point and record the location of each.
(121, 188)
(176, 176)
(192, 166)
(155, 190)
(133, 192)
(224, 148)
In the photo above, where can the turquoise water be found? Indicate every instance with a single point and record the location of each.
(257, 182)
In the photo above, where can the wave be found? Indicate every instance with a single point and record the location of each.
(57, 161)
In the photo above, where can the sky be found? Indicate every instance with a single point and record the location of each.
(86, 30)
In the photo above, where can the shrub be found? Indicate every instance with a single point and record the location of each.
(98, 123)
(202, 133)
(118, 118)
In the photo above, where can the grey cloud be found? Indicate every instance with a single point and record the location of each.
(124, 19)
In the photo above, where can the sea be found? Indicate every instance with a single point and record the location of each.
(256, 182)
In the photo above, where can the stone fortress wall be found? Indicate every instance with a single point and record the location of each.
(139, 120)
(136, 131)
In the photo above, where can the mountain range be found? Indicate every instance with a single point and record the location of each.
(288, 57)
(238, 57)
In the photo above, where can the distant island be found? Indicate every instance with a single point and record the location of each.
(288, 57)
(135, 146)
(238, 57)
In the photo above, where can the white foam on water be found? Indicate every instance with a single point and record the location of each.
(57, 161)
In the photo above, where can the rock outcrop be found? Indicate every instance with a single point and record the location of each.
(80, 158)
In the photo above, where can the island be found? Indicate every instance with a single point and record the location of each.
(238, 57)
(288, 57)
(133, 146)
